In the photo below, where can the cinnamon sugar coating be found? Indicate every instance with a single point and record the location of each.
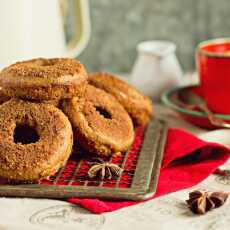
(100, 123)
(45, 68)
(34, 160)
(138, 106)
(44, 79)
(4, 98)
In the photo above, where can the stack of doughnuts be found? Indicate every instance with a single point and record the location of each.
(49, 104)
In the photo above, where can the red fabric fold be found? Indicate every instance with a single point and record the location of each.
(187, 161)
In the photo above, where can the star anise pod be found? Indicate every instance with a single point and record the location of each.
(104, 170)
(218, 198)
(201, 202)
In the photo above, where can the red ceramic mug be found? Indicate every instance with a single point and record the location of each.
(213, 64)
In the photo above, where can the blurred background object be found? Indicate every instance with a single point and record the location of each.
(118, 26)
(31, 29)
(156, 68)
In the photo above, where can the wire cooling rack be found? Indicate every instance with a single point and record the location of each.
(140, 164)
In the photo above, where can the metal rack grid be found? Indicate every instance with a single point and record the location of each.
(140, 164)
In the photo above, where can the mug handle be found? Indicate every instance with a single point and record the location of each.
(83, 29)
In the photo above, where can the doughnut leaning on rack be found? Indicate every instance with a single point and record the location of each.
(100, 124)
(35, 140)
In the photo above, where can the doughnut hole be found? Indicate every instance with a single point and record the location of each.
(103, 112)
(25, 134)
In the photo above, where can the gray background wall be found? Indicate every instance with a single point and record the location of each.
(118, 26)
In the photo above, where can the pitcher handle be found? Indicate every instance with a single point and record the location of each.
(83, 29)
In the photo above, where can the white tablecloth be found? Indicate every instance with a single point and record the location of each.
(167, 212)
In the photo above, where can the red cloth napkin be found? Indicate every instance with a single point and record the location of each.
(187, 161)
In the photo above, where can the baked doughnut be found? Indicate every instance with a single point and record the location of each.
(44, 79)
(35, 140)
(101, 125)
(138, 106)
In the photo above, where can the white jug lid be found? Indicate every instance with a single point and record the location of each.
(158, 48)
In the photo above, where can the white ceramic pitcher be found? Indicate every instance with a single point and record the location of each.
(34, 28)
(156, 68)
